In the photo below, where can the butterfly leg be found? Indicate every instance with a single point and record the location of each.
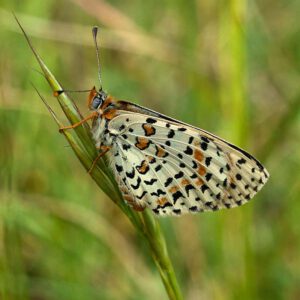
(104, 150)
(91, 116)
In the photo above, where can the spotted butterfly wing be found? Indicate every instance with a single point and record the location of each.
(174, 168)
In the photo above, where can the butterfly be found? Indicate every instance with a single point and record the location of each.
(167, 165)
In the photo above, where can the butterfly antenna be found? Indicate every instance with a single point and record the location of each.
(95, 31)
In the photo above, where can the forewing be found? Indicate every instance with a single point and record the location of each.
(177, 169)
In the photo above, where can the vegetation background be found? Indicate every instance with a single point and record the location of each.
(230, 67)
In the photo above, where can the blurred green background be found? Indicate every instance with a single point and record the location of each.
(230, 67)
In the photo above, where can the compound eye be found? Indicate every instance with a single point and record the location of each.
(96, 102)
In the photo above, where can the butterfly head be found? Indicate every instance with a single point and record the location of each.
(96, 99)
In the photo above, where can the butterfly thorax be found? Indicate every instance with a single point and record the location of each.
(106, 108)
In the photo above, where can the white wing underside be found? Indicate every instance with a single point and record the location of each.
(172, 168)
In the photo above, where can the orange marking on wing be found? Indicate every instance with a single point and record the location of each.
(150, 158)
(142, 143)
(161, 201)
(199, 182)
(201, 170)
(143, 168)
(149, 130)
(198, 155)
(173, 189)
(184, 182)
(160, 152)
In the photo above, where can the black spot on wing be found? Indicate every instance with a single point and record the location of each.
(177, 211)
(126, 147)
(150, 182)
(204, 146)
(176, 196)
(121, 127)
(119, 168)
(167, 204)
(193, 208)
(204, 187)
(188, 188)
(150, 120)
(241, 161)
(195, 165)
(215, 207)
(238, 176)
(171, 133)
(208, 176)
(205, 139)
(158, 167)
(238, 202)
(168, 181)
(156, 211)
(158, 193)
(208, 203)
(208, 161)
(179, 175)
(188, 150)
(142, 195)
(131, 174)
(232, 185)
(191, 139)
(135, 187)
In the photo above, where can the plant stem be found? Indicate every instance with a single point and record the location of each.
(160, 254)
